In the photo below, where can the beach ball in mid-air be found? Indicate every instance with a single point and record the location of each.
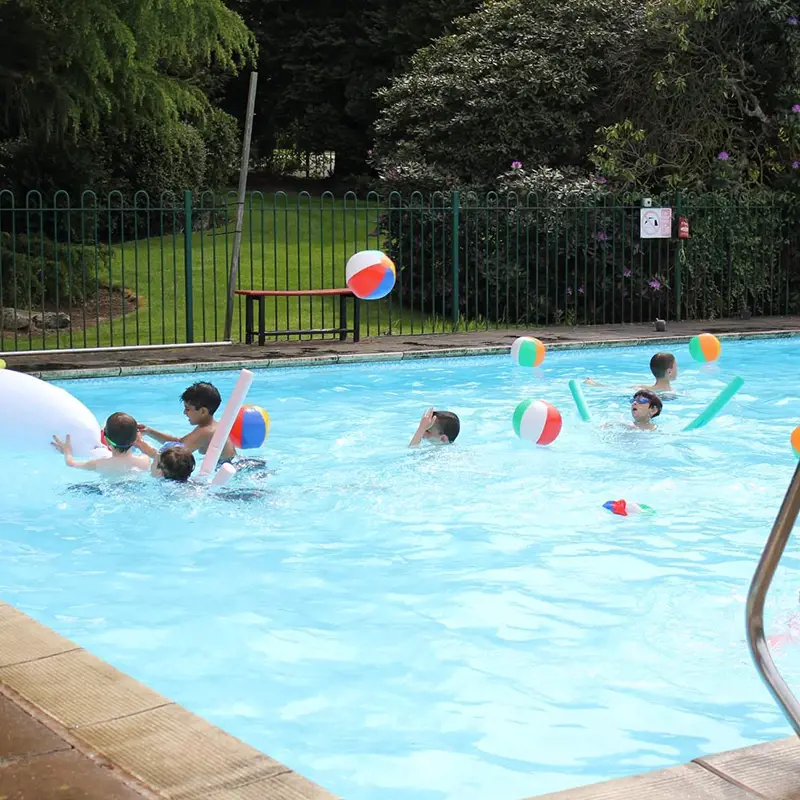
(527, 352)
(705, 347)
(370, 274)
(537, 421)
(251, 428)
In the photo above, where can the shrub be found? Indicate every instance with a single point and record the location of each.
(557, 247)
(36, 271)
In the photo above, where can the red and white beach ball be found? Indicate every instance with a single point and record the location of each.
(370, 274)
(537, 421)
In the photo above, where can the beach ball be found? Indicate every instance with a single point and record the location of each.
(370, 274)
(527, 352)
(796, 441)
(705, 347)
(537, 421)
(251, 428)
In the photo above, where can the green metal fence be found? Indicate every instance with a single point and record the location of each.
(109, 271)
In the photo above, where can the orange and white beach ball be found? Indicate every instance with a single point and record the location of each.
(537, 421)
(370, 274)
(527, 352)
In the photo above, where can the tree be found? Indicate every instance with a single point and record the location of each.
(709, 98)
(520, 80)
(321, 63)
(105, 95)
(65, 68)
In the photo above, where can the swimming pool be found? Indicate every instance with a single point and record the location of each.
(463, 622)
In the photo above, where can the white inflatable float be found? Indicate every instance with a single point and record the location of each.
(32, 410)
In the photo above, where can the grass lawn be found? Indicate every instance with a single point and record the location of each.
(288, 242)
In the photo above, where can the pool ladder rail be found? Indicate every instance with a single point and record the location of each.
(762, 579)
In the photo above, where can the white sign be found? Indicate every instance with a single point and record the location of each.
(655, 223)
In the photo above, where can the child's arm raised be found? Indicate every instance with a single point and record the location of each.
(65, 447)
(163, 438)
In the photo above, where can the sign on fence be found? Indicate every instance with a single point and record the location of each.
(655, 223)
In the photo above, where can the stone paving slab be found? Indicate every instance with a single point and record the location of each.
(387, 347)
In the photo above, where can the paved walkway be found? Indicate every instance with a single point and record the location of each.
(382, 344)
(37, 762)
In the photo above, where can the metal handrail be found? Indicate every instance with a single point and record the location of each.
(765, 571)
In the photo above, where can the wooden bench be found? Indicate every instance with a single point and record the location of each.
(251, 296)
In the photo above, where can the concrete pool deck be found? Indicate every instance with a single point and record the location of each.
(74, 728)
(110, 363)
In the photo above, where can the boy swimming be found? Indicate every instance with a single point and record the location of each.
(437, 427)
(645, 407)
(664, 367)
(120, 433)
(200, 403)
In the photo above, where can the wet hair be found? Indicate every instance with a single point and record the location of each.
(176, 463)
(448, 423)
(660, 363)
(202, 395)
(121, 431)
(652, 398)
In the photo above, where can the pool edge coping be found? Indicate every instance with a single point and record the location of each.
(103, 712)
(380, 356)
(122, 722)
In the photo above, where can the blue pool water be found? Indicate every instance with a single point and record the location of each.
(463, 622)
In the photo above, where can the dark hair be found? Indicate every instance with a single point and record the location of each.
(448, 423)
(202, 395)
(660, 363)
(652, 398)
(177, 463)
(121, 431)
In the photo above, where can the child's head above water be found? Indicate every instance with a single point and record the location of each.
(445, 427)
(176, 463)
(121, 431)
(645, 407)
(200, 402)
(664, 367)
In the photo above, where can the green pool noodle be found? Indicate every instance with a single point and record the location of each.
(580, 400)
(716, 405)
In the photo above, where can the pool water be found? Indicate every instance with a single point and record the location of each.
(455, 622)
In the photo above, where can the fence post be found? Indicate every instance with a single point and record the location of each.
(678, 257)
(187, 265)
(456, 252)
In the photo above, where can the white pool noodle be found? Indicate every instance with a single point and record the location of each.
(226, 422)
(224, 474)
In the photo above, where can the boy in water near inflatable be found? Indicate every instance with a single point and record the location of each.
(200, 403)
(172, 463)
(120, 432)
(438, 427)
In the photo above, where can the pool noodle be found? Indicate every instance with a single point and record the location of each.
(716, 405)
(224, 474)
(225, 425)
(580, 400)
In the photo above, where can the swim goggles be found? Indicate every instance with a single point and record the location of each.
(642, 401)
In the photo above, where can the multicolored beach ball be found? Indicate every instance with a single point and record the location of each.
(370, 274)
(537, 421)
(251, 428)
(527, 352)
(705, 347)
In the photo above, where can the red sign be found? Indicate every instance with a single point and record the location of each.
(683, 228)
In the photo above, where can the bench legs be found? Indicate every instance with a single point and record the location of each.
(251, 331)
